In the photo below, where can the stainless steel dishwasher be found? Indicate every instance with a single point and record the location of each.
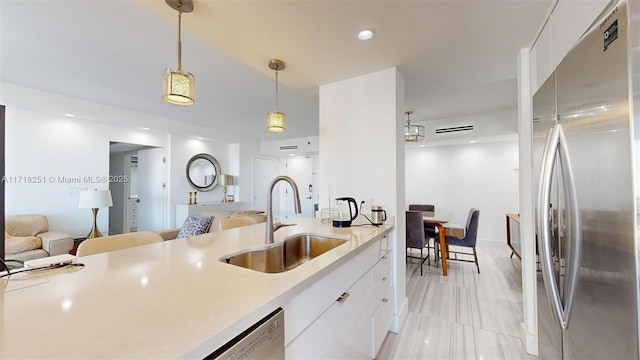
(263, 340)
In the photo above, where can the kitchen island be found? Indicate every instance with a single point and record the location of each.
(174, 299)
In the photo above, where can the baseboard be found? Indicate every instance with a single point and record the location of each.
(530, 341)
(398, 320)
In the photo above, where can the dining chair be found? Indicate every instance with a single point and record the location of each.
(117, 242)
(416, 238)
(237, 221)
(429, 230)
(468, 241)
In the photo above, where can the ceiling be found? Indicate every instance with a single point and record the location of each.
(456, 57)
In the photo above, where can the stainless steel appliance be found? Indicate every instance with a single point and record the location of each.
(344, 216)
(264, 340)
(586, 153)
(378, 215)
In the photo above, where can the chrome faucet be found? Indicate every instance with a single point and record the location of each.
(269, 237)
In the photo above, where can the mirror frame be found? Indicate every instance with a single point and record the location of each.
(216, 166)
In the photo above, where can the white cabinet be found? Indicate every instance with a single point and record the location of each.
(132, 215)
(566, 24)
(355, 322)
(184, 210)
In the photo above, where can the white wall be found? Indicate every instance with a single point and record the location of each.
(182, 149)
(358, 126)
(493, 124)
(41, 141)
(361, 154)
(458, 177)
(56, 147)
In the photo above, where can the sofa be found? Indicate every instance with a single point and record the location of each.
(27, 237)
(218, 215)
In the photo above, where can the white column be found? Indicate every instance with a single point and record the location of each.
(527, 233)
(361, 154)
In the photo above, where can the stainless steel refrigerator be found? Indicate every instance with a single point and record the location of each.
(586, 153)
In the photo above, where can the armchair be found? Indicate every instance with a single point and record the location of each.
(27, 237)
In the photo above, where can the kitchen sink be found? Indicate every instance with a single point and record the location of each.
(285, 255)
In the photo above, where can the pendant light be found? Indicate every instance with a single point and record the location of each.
(412, 133)
(276, 121)
(179, 88)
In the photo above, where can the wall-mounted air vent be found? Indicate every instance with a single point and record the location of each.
(454, 129)
(288, 147)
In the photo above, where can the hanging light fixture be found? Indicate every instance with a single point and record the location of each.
(276, 121)
(179, 88)
(412, 133)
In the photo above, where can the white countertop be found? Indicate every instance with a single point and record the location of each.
(165, 300)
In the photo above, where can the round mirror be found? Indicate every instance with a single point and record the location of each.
(203, 171)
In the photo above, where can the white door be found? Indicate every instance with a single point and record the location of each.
(300, 169)
(264, 171)
(151, 189)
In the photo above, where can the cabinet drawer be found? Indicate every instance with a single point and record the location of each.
(384, 246)
(381, 323)
(382, 268)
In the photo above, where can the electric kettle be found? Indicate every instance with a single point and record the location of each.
(344, 216)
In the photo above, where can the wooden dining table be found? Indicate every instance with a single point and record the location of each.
(437, 219)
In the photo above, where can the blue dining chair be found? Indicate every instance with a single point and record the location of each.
(468, 241)
(429, 230)
(415, 236)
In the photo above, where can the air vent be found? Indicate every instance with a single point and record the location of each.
(454, 129)
(288, 147)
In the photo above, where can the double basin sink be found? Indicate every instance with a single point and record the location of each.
(286, 255)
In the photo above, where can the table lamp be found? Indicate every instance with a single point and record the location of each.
(94, 200)
(226, 180)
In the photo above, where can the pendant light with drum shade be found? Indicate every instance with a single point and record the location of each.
(178, 87)
(412, 133)
(276, 121)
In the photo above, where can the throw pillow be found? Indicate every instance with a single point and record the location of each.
(195, 226)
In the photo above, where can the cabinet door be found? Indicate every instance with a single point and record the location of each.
(343, 331)
(381, 323)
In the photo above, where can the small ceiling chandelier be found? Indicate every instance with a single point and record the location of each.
(276, 121)
(179, 88)
(412, 133)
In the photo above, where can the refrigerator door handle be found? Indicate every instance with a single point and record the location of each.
(574, 255)
(542, 222)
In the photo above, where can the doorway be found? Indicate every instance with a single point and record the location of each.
(264, 171)
(300, 169)
(138, 190)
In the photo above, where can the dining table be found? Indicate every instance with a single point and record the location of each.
(438, 219)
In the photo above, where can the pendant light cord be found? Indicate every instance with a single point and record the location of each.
(277, 91)
(179, 36)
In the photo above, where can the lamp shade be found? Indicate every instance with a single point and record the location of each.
(226, 180)
(178, 88)
(276, 121)
(95, 199)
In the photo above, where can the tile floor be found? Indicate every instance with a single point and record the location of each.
(465, 315)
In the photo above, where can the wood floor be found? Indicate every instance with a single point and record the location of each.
(465, 315)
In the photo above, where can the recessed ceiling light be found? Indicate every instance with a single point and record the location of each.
(365, 34)
(199, 138)
(70, 115)
(421, 145)
(146, 128)
(472, 142)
